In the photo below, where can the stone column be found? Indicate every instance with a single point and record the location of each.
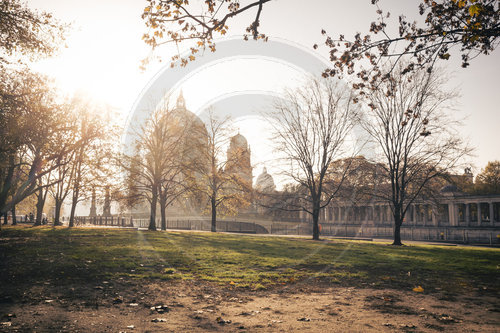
(106, 211)
(467, 214)
(93, 207)
(492, 214)
(452, 214)
(479, 220)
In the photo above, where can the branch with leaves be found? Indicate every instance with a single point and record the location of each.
(470, 25)
(178, 21)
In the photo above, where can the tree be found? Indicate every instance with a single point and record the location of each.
(41, 198)
(471, 25)
(360, 178)
(24, 33)
(27, 32)
(30, 121)
(488, 181)
(212, 176)
(176, 21)
(96, 135)
(154, 167)
(311, 127)
(416, 140)
(62, 176)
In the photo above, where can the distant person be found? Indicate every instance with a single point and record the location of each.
(32, 218)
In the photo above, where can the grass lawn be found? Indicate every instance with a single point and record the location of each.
(80, 255)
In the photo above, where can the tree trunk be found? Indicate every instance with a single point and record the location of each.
(72, 214)
(152, 216)
(163, 208)
(5, 218)
(214, 215)
(76, 187)
(74, 202)
(7, 183)
(398, 221)
(39, 207)
(315, 226)
(397, 234)
(14, 221)
(57, 213)
(315, 217)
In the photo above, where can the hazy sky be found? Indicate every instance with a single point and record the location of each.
(105, 48)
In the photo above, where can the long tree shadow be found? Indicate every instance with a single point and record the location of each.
(74, 262)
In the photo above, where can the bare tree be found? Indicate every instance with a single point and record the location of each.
(154, 169)
(311, 127)
(209, 173)
(417, 140)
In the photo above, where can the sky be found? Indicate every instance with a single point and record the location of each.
(104, 50)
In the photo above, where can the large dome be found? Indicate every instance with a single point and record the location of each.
(265, 182)
(185, 116)
(239, 141)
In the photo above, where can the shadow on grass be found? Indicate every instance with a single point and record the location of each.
(66, 257)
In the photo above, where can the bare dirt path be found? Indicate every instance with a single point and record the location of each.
(189, 306)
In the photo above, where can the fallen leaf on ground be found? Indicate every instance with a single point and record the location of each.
(418, 289)
(221, 321)
(159, 320)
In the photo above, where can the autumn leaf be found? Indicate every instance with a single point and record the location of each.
(418, 289)
(474, 10)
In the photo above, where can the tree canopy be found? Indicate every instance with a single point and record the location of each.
(470, 25)
(26, 32)
(176, 21)
(488, 181)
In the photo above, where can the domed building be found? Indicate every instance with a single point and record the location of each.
(265, 182)
(196, 136)
(193, 151)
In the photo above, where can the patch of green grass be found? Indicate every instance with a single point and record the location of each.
(91, 255)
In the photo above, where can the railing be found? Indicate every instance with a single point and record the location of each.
(179, 224)
(480, 235)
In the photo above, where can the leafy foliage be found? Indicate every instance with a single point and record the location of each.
(471, 25)
(31, 123)
(26, 32)
(176, 21)
(488, 181)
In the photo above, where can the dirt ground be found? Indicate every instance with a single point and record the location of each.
(188, 306)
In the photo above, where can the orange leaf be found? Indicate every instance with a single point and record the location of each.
(418, 289)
